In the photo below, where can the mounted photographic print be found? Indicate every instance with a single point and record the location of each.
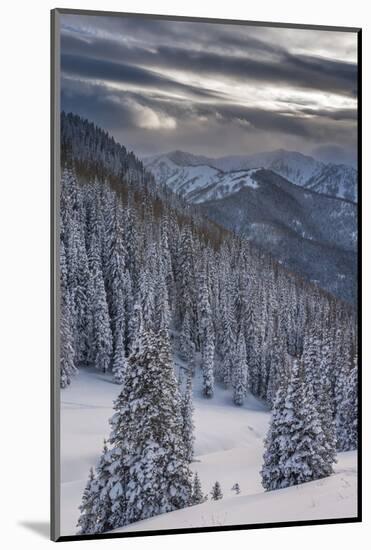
(205, 339)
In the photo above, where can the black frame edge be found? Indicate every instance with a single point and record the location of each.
(54, 275)
(197, 530)
(359, 271)
(195, 19)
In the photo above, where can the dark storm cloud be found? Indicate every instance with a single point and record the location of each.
(283, 68)
(121, 73)
(94, 103)
(216, 88)
(161, 31)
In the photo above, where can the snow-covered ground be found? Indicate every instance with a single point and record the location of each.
(229, 448)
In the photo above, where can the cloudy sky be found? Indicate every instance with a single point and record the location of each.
(210, 89)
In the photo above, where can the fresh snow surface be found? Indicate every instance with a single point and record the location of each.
(229, 448)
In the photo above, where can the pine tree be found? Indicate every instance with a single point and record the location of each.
(115, 272)
(197, 495)
(147, 300)
(105, 482)
(228, 343)
(149, 456)
(86, 521)
(187, 418)
(186, 345)
(347, 408)
(216, 492)
(326, 416)
(204, 309)
(352, 398)
(162, 311)
(119, 364)
(272, 472)
(185, 339)
(101, 345)
(96, 502)
(186, 277)
(277, 372)
(208, 364)
(240, 372)
(295, 446)
(73, 236)
(128, 311)
(310, 359)
(67, 350)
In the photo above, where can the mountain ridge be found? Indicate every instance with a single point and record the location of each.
(339, 180)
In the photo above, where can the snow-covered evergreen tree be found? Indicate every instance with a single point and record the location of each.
(87, 519)
(227, 341)
(78, 268)
(187, 418)
(67, 350)
(204, 308)
(161, 309)
(347, 408)
(240, 372)
(208, 363)
(116, 273)
(295, 445)
(119, 364)
(185, 339)
(326, 416)
(197, 495)
(310, 359)
(96, 503)
(216, 492)
(186, 278)
(149, 456)
(101, 342)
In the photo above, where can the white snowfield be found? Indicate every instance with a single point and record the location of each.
(229, 448)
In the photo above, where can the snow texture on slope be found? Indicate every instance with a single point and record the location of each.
(229, 448)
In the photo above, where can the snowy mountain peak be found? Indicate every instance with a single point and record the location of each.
(197, 182)
(337, 180)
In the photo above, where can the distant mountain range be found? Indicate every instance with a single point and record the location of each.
(187, 174)
(298, 209)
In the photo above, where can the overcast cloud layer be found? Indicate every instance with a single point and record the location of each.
(211, 89)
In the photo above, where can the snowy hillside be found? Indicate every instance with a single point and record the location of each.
(337, 180)
(228, 448)
(329, 498)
